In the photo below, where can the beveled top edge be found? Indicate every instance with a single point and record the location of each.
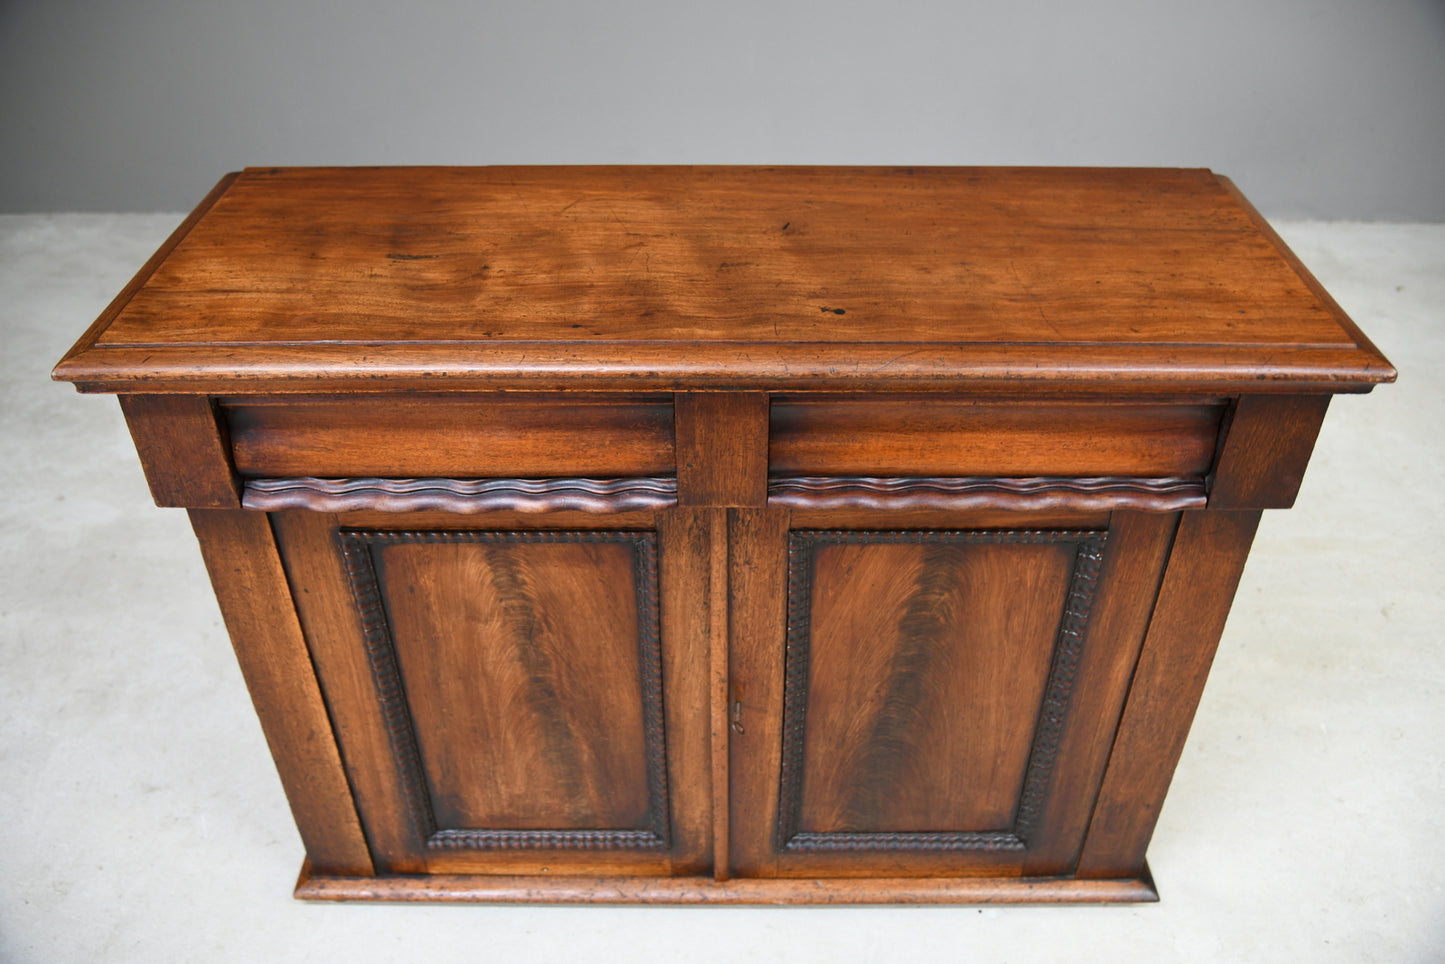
(987, 369)
(988, 364)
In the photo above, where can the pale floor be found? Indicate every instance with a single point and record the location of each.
(141, 820)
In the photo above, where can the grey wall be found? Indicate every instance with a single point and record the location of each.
(1317, 108)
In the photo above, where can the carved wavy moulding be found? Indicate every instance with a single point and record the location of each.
(460, 495)
(815, 492)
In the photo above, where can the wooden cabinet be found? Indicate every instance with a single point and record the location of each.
(724, 534)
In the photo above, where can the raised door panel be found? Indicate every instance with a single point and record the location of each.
(929, 687)
(917, 663)
(500, 693)
(527, 679)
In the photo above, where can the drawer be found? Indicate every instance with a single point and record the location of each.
(452, 436)
(1020, 438)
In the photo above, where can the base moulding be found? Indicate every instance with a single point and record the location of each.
(476, 888)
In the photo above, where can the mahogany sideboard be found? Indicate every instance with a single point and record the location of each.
(724, 534)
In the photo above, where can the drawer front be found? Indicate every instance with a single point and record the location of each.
(959, 438)
(452, 436)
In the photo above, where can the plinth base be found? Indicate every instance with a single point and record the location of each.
(704, 890)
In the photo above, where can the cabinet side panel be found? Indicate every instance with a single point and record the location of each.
(1203, 572)
(241, 556)
(333, 629)
(1133, 566)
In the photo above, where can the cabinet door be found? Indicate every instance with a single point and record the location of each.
(934, 700)
(504, 695)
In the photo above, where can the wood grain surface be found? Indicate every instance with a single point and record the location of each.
(722, 449)
(184, 450)
(676, 277)
(1265, 450)
(1198, 586)
(241, 556)
(924, 673)
(961, 436)
(523, 678)
(466, 436)
(689, 544)
(725, 534)
(704, 890)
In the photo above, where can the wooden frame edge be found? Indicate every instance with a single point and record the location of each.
(1201, 577)
(1264, 451)
(87, 341)
(184, 450)
(254, 594)
(1383, 370)
(533, 366)
(463, 888)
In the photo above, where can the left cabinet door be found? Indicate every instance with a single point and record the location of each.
(512, 694)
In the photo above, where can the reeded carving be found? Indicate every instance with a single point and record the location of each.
(545, 840)
(817, 492)
(356, 547)
(1087, 560)
(386, 676)
(823, 843)
(460, 495)
(1088, 557)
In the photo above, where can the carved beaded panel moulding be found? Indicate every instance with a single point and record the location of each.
(357, 546)
(1068, 646)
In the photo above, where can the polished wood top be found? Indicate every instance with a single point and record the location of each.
(993, 279)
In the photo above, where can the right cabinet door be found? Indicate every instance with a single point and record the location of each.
(929, 695)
